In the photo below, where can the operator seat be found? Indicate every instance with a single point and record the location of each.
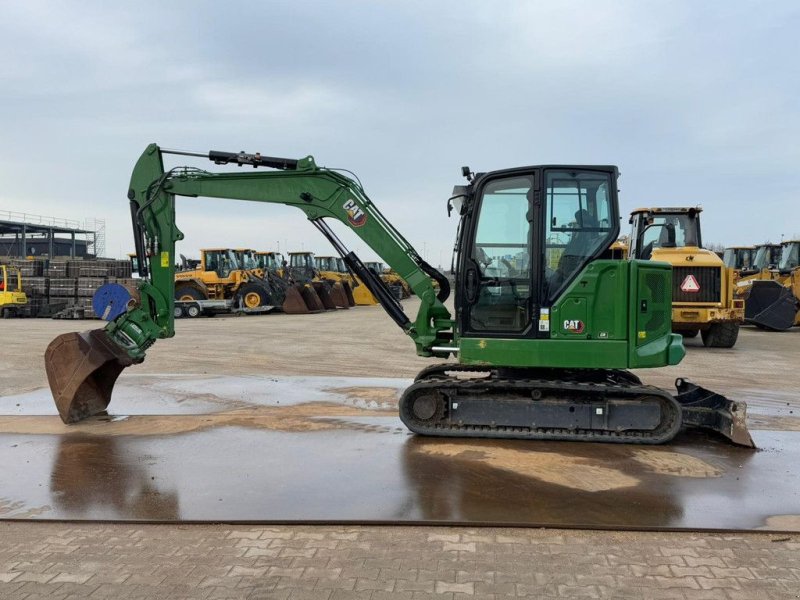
(581, 245)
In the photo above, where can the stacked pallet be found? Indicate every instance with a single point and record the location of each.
(63, 287)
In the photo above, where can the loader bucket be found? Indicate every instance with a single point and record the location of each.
(81, 370)
(338, 295)
(294, 302)
(770, 306)
(705, 409)
(351, 301)
(324, 293)
(311, 298)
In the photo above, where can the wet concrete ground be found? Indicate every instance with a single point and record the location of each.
(326, 449)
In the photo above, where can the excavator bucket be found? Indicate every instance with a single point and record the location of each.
(324, 293)
(705, 409)
(81, 370)
(771, 306)
(339, 296)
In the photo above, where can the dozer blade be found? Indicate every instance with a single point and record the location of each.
(708, 410)
(338, 295)
(324, 293)
(81, 370)
(771, 306)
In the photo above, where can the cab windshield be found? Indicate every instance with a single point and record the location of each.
(738, 258)
(246, 260)
(766, 256)
(302, 260)
(221, 261)
(669, 231)
(790, 256)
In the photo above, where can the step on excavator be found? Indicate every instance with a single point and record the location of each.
(543, 346)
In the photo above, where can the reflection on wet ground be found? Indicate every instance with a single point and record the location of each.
(345, 457)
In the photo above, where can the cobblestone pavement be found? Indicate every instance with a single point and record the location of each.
(60, 561)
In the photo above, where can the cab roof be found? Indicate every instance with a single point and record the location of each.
(669, 209)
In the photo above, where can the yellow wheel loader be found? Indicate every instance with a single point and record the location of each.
(303, 269)
(772, 295)
(703, 298)
(362, 296)
(298, 298)
(12, 299)
(220, 275)
(392, 279)
(329, 270)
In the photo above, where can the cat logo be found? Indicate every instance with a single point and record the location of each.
(355, 215)
(573, 326)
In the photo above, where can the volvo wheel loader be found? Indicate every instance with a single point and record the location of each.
(303, 268)
(703, 299)
(221, 276)
(298, 298)
(543, 346)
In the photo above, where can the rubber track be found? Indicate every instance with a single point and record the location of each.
(450, 388)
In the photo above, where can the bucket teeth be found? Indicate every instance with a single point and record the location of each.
(81, 370)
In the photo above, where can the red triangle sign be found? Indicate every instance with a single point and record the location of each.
(690, 285)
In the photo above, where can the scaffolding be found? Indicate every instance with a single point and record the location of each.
(24, 234)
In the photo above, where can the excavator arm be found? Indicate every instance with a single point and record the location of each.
(82, 367)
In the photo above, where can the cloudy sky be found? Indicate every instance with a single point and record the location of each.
(697, 102)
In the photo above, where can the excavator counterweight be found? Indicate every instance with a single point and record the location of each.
(550, 320)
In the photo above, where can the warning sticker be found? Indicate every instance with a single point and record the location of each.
(690, 285)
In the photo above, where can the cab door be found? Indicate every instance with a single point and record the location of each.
(498, 287)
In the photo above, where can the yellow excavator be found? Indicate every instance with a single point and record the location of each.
(12, 299)
(703, 298)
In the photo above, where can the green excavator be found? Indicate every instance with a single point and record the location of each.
(546, 322)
